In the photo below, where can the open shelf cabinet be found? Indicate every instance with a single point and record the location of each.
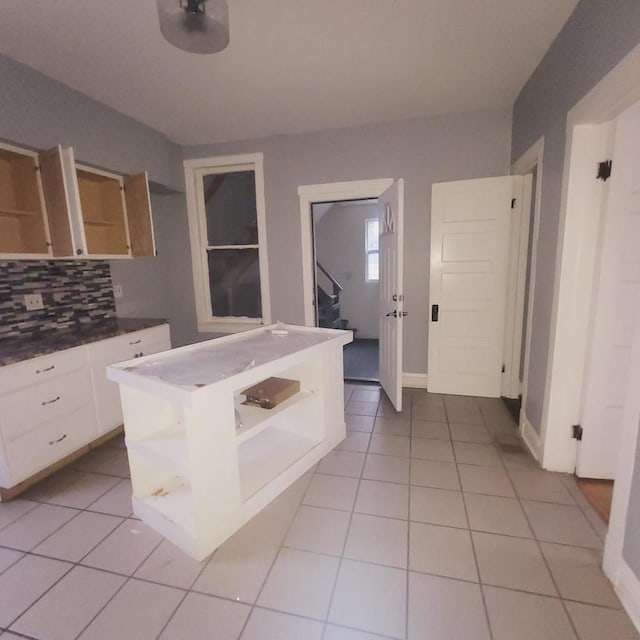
(202, 463)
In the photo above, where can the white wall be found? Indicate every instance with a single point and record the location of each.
(340, 248)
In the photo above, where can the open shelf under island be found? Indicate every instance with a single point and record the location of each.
(202, 462)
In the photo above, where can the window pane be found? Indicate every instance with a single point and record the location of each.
(234, 282)
(373, 266)
(230, 204)
(372, 234)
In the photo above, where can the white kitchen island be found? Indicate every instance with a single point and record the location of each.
(202, 463)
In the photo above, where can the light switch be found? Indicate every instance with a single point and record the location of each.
(33, 301)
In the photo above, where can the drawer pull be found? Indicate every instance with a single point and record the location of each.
(136, 341)
(51, 401)
(60, 439)
(53, 366)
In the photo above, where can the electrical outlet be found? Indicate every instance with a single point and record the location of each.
(117, 291)
(33, 301)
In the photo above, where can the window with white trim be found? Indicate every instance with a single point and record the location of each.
(225, 200)
(372, 250)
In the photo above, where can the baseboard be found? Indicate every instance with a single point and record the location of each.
(628, 590)
(530, 436)
(414, 380)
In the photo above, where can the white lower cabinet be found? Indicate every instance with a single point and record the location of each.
(54, 405)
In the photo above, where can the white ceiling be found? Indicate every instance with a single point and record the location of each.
(292, 65)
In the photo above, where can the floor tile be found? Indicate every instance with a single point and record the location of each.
(359, 423)
(387, 410)
(518, 461)
(379, 540)
(116, 501)
(333, 632)
(342, 463)
(366, 394)
(485, 455)
(70, 488)
(383, 499)
(124, 550)
(514, 563)
(561, 523)
(171, 566)
(596, 623)
(433, 430)
(442, 551)
(138, 611)
(429, 412)
(470, 433)
(202, 617)
(107, 460)
(332, 492)
(464, 415)
(237, 570)
(437, 506)
(439, 475)
(355, 441)
(79, 536)
(389, 445)
(526, 616)
(300, 583)
(540, 485)
(81, 594)
(490, 480)
(578, 574)
(23, 583)
(33, 527)
(14, 509)
(318, 530)
(438, 450)
(371, 598)
(386, 468)
(495, 514)
(272, 625)
(570, 482)
(359, 408)
(392, 427)
(447, 609)
(469, 403)
(9, 557)
(596, 521)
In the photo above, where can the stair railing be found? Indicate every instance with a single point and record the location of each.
(337, 287)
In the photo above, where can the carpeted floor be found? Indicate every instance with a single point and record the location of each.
(361, 360)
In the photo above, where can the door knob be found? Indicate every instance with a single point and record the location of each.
(435, 309)
(393, 313)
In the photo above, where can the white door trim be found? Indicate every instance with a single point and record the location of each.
(617, 91)
(531, 158)
(331, 191)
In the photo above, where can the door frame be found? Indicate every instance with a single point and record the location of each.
(327, 192)
(531, 158)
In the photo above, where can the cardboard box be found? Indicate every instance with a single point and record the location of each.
(271, 392)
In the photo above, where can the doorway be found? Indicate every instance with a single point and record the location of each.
(346, 259)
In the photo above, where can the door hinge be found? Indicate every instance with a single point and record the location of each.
(576, 431)
(513, 203)
(604, 170)
(504, 368)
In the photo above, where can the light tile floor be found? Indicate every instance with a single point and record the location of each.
(429, 525)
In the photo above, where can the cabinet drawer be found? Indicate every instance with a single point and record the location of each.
(21, 411)
(36, 370)
(48, 443)
(127, 346)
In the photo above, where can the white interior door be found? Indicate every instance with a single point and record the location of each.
(470, 232)
(615, 313)
(391, 292)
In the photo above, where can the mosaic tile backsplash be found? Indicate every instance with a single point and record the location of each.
(74, 293)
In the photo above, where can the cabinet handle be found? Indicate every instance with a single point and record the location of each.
(51, 401)
(60, 439)
(53, 366)
(136, 341)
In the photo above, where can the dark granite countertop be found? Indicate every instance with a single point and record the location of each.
(14, 350)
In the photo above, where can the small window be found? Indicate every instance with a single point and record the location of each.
(372, 250)
(226, 216)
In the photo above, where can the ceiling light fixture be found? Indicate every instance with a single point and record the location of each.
(196, 26)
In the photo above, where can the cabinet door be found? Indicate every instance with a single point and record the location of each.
(56, 201)
(139, 218)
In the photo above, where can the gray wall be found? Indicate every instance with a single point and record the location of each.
(438, 149)
(340, 248)
(597, 35)
(40, 112)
